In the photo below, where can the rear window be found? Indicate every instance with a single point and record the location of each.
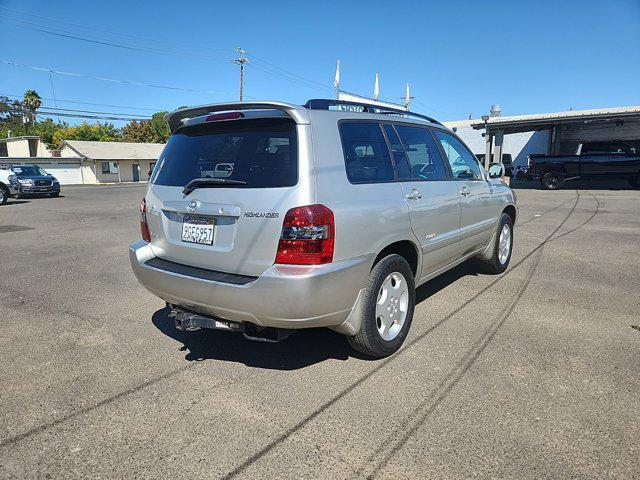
(262, 152)
(366, 153)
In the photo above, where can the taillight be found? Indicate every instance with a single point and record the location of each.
(307, 236)
(144, 226)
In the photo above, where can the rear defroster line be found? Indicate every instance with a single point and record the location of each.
(454, 378)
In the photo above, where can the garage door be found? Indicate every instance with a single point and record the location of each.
(66, 173)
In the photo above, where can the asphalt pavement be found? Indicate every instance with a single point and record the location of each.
(531, 374)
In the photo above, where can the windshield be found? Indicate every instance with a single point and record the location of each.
(29, 171)
(261, 152)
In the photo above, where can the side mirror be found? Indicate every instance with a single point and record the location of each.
(496, 170)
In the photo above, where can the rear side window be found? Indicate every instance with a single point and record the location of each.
(365, 153)
(422, 153)
(262, 152)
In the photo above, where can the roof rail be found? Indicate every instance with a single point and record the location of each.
(325, 103)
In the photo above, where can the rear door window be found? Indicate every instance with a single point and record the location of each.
(366, 153)
(422, 153)
(261, 152)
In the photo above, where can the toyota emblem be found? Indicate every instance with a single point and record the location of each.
(192, 206)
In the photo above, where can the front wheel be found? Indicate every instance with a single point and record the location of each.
(553, 180)
(387, 309)
(4, 195)
(500, 255)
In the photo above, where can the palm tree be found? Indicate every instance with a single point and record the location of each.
(32, 102)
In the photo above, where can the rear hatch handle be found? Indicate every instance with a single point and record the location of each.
(201, 208)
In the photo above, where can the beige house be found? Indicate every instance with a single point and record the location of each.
(23, 147)
(113, 162)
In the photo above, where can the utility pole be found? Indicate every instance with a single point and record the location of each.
(407, 98)
(241, 61)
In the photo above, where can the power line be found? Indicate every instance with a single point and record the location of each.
(93, 28)
(59, 109)
(100, 42)
(107, 79)
(88, 103)
(294, 75)
(72, 115)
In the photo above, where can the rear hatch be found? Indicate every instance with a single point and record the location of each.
(243, 175)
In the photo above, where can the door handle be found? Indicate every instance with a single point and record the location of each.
(464, 191)
(413, 195)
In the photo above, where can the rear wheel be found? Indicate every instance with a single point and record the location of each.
(387, 309)
(553, 180)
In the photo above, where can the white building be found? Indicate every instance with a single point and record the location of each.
(113, 162)
(517, 145)
(84, 162)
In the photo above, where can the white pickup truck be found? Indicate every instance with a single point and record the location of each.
(9, 185)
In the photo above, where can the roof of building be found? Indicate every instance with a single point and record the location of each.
(115, 150)
(23, 137)
(557, 117)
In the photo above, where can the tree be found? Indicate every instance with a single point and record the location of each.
(11, 117)
(102, 132)
(32, 102)
(46, 130)
(155, 130)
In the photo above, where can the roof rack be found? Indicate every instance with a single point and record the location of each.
(325, 103)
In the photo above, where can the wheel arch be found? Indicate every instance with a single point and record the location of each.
(406, 249)
(511, 211)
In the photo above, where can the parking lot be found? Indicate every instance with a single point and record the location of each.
(531, 374)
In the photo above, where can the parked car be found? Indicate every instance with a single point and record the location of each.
(34, 180)
(323, 218)
(9, 185)
(596, 160)
(507, 161)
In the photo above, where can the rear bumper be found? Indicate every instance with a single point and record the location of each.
(284, 296)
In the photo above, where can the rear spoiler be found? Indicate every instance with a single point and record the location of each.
(175, 119)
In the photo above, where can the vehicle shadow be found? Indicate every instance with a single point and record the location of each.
(15, 202)
(302, 349)
(444, 280)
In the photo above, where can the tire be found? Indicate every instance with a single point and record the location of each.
(553, 180)
(400, 301)
(55, 194)
(635, 182)
(498, 261)
(4, 195)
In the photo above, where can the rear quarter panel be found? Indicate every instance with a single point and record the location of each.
(368, 216)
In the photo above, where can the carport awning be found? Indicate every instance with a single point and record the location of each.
(541, 121)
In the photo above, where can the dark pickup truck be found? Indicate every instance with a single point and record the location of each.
(606, 160)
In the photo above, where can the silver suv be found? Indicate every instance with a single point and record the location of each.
(263, 217)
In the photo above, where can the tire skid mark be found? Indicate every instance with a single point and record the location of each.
(439, 394)
(544, 213)
(595, 212)
(90, 408)
(329, 403)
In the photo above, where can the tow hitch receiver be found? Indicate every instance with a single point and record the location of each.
(190, 322)
(187, 321)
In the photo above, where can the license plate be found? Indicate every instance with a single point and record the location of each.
(197, 230)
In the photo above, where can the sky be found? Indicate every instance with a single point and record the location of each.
(459, 57)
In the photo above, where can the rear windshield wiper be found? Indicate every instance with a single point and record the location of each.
(210, 183)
